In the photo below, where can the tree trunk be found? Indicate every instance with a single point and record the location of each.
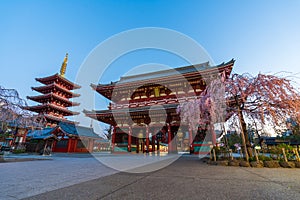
(245, 132)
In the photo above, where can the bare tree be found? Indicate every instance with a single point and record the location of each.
(108, 132)
(11, 111)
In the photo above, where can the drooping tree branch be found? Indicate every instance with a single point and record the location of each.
(266, 99)
(11, 110)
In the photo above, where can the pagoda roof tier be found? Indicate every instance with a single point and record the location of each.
(52, 96)
(45, 107)
(105, 90)
(45, 89)
(51, 118)
(187, 71)
(68, 129)
(56, 78)
(164, 76)
(139, 115)
(79, 131)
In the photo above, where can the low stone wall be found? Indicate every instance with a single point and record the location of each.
(259, 164)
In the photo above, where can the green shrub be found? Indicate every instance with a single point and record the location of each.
(16, 151)
(264, 158)
(286, 147)
(221, 152)
(261, 158)
(276, 152)
(251, 159)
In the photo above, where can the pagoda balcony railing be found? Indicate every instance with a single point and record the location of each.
(150, 103)
(63, 86)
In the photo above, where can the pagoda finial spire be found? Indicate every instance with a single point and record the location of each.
(64, 66)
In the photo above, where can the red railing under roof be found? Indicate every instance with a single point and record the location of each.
(43, 107)
(43, 98)
(47, 88)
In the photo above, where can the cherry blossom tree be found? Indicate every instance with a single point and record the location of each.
(209, 108)
(264, 99)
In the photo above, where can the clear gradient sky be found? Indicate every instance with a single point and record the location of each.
(263, 36)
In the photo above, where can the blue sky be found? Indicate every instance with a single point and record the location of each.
(263, 36)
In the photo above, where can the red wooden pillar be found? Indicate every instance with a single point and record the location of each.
(69, 145)
(191, 139)
(157, 140)
(72, 145)
(153, 143)
(129, 139)
(113, 139)
(169, 139)
(143, 146)
(137, 145)
(75, 144)
(147, 138)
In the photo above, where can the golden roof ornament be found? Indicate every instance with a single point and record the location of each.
(64, 66)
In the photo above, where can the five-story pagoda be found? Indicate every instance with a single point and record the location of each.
(54, 100)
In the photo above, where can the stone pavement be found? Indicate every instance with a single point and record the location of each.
(25, 179)
(187, 178)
